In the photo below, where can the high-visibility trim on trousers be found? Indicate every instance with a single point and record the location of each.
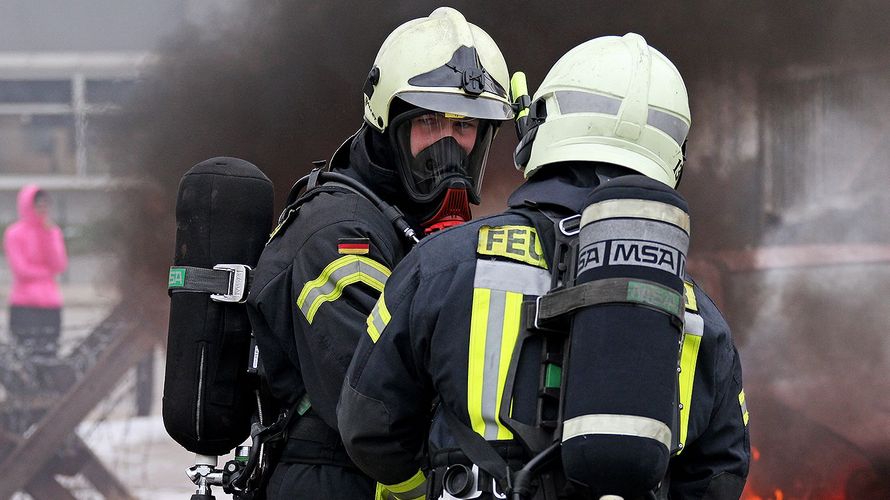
(620, 425)
(339, 274)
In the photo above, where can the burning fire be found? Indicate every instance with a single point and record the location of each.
(749, 494)
(777, 495)
(757, 487)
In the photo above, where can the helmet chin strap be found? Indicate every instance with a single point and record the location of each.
(454, 210)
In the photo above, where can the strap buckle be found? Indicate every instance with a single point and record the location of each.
(237, 290)
(570, 226)
(537, 312)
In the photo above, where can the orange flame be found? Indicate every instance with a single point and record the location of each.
(750, 495)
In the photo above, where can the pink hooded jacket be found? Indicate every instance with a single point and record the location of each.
(36, 254)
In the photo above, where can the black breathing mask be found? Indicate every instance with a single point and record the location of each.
(440, 151)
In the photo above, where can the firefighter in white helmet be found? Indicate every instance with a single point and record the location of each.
(433, 101)
(612, 112)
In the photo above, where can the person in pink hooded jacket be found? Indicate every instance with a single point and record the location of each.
(35, 251)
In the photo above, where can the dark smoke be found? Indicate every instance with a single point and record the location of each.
(280, 83)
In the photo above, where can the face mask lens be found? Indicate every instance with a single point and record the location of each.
(441, 150)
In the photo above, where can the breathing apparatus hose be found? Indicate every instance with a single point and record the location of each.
(520, 488)
(395, 216)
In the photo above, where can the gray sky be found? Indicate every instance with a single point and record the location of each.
(97, 25)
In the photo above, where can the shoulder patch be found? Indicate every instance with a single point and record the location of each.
(354, 246)
(512, 242)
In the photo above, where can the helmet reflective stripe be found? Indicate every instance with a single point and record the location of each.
(576, 101)
(611, 100)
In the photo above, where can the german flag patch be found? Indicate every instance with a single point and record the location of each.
(354, 246)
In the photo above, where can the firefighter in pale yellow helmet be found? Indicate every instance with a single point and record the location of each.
(629, 109)
(433, 100)
(446, 331)
(437, 92)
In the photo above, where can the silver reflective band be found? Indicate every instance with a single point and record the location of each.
(576, 101)
(694, 324)
(510, 277)
(494, 339)
(377, 321)
(621, 425)
(675, 127)
(643, 230)
(642, 209)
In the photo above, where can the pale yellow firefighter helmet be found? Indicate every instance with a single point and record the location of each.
(440, 63)
(614, 100)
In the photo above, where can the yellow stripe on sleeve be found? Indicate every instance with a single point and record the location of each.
(476, 360)
(512, 313)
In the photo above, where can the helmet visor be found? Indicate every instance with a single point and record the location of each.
(460, 104)
(441, 150)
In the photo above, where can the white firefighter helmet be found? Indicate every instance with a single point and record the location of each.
(614, 100)
(440, 63)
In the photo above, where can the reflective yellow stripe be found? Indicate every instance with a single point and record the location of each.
(339, 274)
(381, 493)
(691, 304)
(688, 358)
(372, 330)
(338, 291)
(378, 319)
(512, 312)
(383, 311)
(412, 489)
(744, 407)
(476, 360)
(498, 290)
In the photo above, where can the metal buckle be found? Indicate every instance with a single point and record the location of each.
(237, 283)
(564, 222)
(537, 310)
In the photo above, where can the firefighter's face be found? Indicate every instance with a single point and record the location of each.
(427, 129)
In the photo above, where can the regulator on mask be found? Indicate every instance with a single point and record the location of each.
(441, 156)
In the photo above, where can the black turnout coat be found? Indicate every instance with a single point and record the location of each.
(444, 325)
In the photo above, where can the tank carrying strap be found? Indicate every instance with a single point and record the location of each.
(609, 291)
(224, 283)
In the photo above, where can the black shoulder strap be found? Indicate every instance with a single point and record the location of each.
(477, 449)
(292, 209)
(319, 180)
